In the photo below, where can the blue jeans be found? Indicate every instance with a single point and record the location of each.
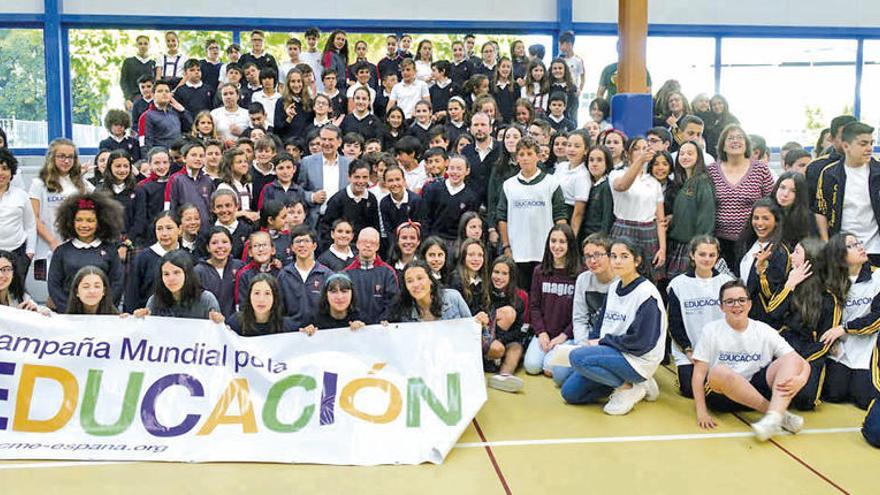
(871, 427)
(597, 371)
(536, 360)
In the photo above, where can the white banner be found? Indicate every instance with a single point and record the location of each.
(161, 389)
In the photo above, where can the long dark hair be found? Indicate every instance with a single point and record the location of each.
(510, 291)
(506, 158)
(836, 273)
(337, 281)
(748, 236)
(572, 257)
(483, 273)
(109, 179)
(404, 304)
(440, 243)
(105, 306)
(191, 291)
(680, 176)
(16, 288)
(797, 219)
(807, 297)
(276, 314)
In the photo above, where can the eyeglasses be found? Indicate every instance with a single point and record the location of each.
(64, 157)
(303, 240)
(854, 244)
(6, 270)
(734, 137)
(653, 140)
(737, 301)
(260, 245)
(594, 256)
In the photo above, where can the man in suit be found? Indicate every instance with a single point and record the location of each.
(324, 174)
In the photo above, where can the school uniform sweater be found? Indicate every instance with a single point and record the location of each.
(301, 297)
(362, 214)
(329, 259)
(692, 303)
(440, 95)
(505, 99)
(516, 332)
(389, 66)
(128, 144)
(126, 199)
(264, 61)
(633, 321)
(599, 215)
(142, 276)
(182, 188)
(551, 300)
(413, 209)
(195, 98)
(562, 125)
(138, 106)
(461, 72)
(475, 300)
(275, 191)
(421, 133)
(163, 127)
(530, 208)
(325, 321)
(210, 74)
(445, 209)
(480, 168)
(197, 310)
(240, 231)
(693, 210)
(132, 69)
(70, 256)
(861, 312)
(259, 180)
(296, 126)
(223, 287)
(244, 276)
(236, 324)
(376, 287)
(370, 127)
(149, 201)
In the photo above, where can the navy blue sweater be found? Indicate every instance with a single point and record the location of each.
(222, 288)
(142, 277)
(67, 260)
(375, 289)
(301, 297)
(414, 209)
(445, 210)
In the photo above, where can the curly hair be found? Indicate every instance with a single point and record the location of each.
(116, 116)
(108, 211)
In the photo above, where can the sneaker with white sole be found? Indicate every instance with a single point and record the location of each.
(506, 383)
(792, 423)
(768, 426)
(624, 399)
(652, 390)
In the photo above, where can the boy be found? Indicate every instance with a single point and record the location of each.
(352, 145)
(311, 56)
(283, 188)
(373, 146)
(294, 46)
(408, 92)
(192, 93)
(389, 80)
(233, 52)
(301, 281)
(141, 103)
(470, 40)
(360, 50)
(117, 122)
(252, 77)
(442, 89)
(406, 152)
(211, 65)
(224, 205)
(391, 61)
(191, 184)
(246, 145)
(263, 170)
(338, 103)
(267, 96)
(742, 362)
(362, 73)
(263, 59)
(134, 68)
(405, 44)
(437, 138)
(557, 119)
(354, 203)
(262, 253)
(165, 120)
(375, 282)
(461, 68)
(436, 162)
(257, 118)
(447, 200)
(576, 66)
(234, 76)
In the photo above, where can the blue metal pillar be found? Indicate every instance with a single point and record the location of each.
(56, 111)
(718, 65)
(66, 83)
(860, 62)
(236, 37)
(564, 22)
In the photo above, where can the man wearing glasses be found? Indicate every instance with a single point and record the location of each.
(742, 364)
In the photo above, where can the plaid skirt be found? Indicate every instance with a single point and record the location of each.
(644, 234)
(678, 259)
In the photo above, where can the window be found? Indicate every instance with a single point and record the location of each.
(597, 52)
(23, 88)
(870, 82)
(690, 61)
(788, 89)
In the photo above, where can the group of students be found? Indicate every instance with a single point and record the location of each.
(581, 252)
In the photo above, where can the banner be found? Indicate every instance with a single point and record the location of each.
(163, 389)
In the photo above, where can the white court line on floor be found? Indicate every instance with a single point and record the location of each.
(640, 438)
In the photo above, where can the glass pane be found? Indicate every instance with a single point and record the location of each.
(870, 83)
(788, 89)
(690, 61)
(23, 88)
(96, 57)
(597, 52)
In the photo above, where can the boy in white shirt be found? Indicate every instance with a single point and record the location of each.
(293, 48)
(743, 362)
(408, 92)
(312, 56)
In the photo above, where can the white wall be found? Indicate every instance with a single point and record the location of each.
(848, 13)
(21, 6)
(511, 10)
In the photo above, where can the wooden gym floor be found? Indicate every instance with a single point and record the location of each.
(532, 443)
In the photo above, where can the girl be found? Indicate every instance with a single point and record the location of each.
(203, 127)
(190, 227)
(738, 181)
(193, 186)
(422, 298)
(12, 284)
(60, 178)
(262, 311)
(469, 227)
(558, 147)
(856, 286)
(235, 176)
(792, 197)
(520, 60)
(261, 250)
(508, 312)
(321, 114)
(336, 54)
(456, 125)
(676, 108)
(170, 65)
(523, 112)
(407, 237)
(90, 294)
(90, 225)
(505, 90)
(424, 59)
(660, 168)
(145, 268)
(626, 347)
(574, 178)
(721, 118)
(614, 140)
(551, 299)
(478, 85)
(461, 142)
(217, 273)
(537, 88)
(470, 277)
(692, 303)
(100, 167)
(400, 205)
(562, 81)
(119, 183)
(435, 254)
(361, 120)
(486, 104)
(693, 210)
(421, 122)
(600, 113)
(489, 54)
(339, 255)
(805, 310)
(638, 207)
(337, 307)
(503, 169)
(766, 260)
(599, 216)
(394, 127)
(593, 129)
(179, 294)
(293, 110)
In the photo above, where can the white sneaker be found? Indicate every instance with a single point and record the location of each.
(792, 423)
(623, 400)
(769, 425)
(506, 383)
(652, 390)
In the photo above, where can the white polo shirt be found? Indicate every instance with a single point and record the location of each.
(639, 202)
(407, 95)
